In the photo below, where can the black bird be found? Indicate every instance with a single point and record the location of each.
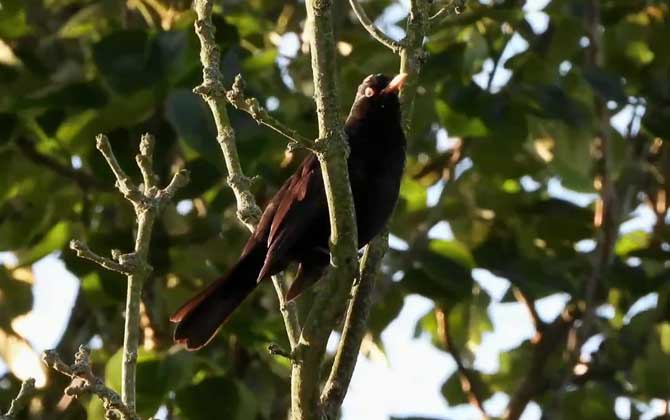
(295, 226)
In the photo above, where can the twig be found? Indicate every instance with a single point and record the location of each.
(212, 92)
(467, 376)
(529, 303)
(275, 350)
(373, 30)
(261, 115)
(84, 252)
(84, 381)
(332, 154)
(21, 400)
(354, 329)
(453, 7)
(148, 203)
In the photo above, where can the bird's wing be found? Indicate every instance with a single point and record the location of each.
(299, 207)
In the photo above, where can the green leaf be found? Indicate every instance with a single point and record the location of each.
(258, 62)
(651, 373)
(453, 250)
(221, 394)
(127, 60)
(631, 242)
(457, 124)
(55, 239)
(438, 277)
(591, 402)
(413, 194)
(193, 122)
(13, 22)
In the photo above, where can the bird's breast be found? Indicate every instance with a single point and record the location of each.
(375, 183)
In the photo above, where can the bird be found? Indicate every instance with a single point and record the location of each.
(295, 226)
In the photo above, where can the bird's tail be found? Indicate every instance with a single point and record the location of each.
(199, 319)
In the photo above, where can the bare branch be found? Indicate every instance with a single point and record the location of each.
(84, 381)
(412, 58)
(452, 7)
(213, 93)
(148, 204)
(84, 252)
(373, 30)
(261, 115)
(123, 183)
(145, 161)
(21, 400)
(332, 150)
(355, 326)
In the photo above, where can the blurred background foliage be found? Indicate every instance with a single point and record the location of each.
(495, 126)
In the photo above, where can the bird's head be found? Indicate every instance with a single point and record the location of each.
(377, 96)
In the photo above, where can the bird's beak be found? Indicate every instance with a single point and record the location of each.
(396, 84)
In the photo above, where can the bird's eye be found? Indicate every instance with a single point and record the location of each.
(369, 92)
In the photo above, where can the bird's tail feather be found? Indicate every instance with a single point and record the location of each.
(199, 319)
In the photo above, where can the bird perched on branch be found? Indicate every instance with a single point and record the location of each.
(295, 225)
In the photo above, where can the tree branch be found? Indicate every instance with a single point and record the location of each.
(332, 153)
(373, 30)
(467, 376)
(548, 341)
(261, 115)
(412, 58)
(21, 400)
(148, 202)
(84, 252)
(611, 207)
(214, 94)
(84, 381)
(529, 303)
(355, 326)
(359, 307)
(453, 7)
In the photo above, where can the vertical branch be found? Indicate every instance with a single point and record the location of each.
(605, 216)
(332, 154)
(148, 201)
(359, 307)
(212, 91)
(354, 329)
(412, 57)
(214, 94)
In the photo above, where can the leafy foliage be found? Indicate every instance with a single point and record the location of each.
(526, 120)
